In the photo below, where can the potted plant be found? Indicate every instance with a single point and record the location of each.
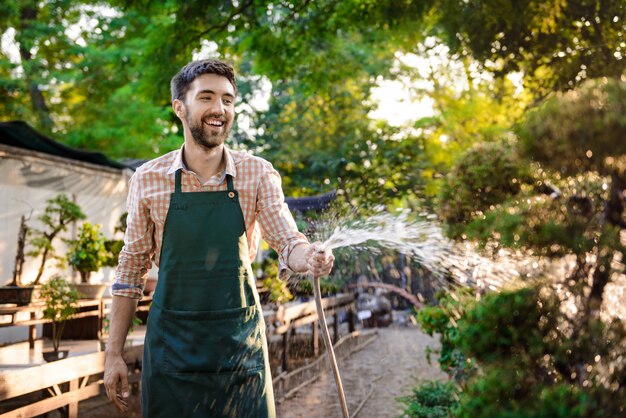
(59, 213)
(114, 246)
(87, 254)
(59, 305)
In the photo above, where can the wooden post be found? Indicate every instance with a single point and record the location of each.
(72, 408)
(100, 318)
(351, 319)
(32, 331)
(286, 351)
(315, 339)
(335, 327)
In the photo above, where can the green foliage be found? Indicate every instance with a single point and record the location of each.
(431, 400)
(328, 286)
(88, 253)
(443, 319)
(279, 292)
(556, 44)
(552, 226)
(59, 213)
(527, 328)
(582, 129)
(544, 350)
(493, 397)
(484, 176)
(59, 300)
(534, 359)
(114, 246)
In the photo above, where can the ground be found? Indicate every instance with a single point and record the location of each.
(385, 369)
(389, 367)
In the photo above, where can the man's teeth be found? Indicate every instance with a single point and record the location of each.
(215, 123)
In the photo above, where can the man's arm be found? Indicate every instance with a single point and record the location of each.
(115, 369)
(280, 231)
(134, 261)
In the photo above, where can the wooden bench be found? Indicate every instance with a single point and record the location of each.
(67, 381)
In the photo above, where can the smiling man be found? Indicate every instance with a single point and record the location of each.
(195, 212)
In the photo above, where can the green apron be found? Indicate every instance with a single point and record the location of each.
(205, 353)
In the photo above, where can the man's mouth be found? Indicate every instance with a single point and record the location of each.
(214, 122)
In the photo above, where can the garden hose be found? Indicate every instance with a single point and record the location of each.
(329, 346)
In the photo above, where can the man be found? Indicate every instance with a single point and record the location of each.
(195, 211)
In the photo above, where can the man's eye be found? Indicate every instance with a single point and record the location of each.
(228, 101)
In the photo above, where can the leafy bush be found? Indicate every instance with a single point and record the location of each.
(485, 175)
(88, 253)
(59, 305)
(582, 129)
(531, 358)
(443, 319)
(431, 400)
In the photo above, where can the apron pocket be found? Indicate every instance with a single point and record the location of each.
(225, 341)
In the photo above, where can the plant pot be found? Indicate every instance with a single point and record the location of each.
(19, 295)
(90, 291)
(50, 356)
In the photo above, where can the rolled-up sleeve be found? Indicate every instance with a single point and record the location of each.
(136, 256)
(277, 225)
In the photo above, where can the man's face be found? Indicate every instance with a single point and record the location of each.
(210, 109)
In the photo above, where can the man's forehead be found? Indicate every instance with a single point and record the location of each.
(211, 82)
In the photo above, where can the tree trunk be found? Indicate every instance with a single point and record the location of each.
(38, 101)
(84, 276)
(19, 257)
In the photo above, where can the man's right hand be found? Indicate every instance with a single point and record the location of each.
(115, 372)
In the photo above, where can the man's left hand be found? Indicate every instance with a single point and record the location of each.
(319, 260)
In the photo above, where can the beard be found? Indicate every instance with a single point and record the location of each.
(206, 139)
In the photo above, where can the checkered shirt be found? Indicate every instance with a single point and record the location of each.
(260, 195)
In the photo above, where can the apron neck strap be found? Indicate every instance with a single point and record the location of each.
(177, 187)
(229, 182)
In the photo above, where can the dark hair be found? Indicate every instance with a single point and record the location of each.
(181, 81)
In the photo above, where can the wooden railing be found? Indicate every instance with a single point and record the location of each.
(292, 316)
(100, 308)
(67, 382)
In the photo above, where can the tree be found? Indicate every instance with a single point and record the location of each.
(555, 347)
(556, 44)
(57, 216)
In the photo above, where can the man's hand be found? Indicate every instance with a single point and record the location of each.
(116, 371)
(319, 260)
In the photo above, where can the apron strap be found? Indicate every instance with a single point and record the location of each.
(177, 197)
(229, 182)
(177, 182)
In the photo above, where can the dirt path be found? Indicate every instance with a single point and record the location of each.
(389, 367)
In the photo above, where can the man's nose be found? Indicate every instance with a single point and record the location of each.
(217, 107)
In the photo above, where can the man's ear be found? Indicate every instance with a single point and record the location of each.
(179, 108)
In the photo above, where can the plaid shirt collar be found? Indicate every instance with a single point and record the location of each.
(230, 169)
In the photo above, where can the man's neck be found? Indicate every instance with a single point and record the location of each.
(204, 162)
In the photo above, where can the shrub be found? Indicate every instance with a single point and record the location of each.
(431, 400)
